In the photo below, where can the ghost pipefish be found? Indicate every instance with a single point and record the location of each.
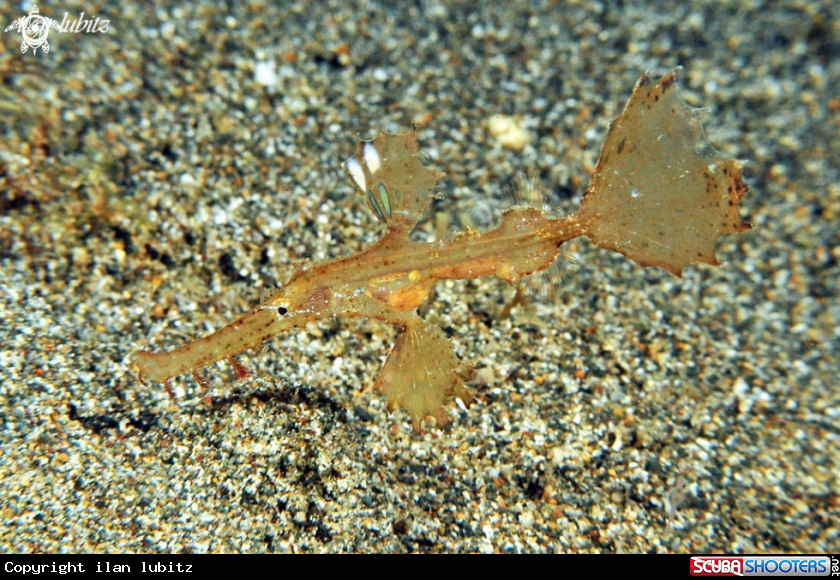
(660, 195)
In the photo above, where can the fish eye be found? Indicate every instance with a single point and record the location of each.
(282, 311)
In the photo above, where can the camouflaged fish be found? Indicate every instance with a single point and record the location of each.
(661, 195)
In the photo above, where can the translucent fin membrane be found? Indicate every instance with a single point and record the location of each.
(396, 185)
(661, 194)
(525, 191)
(544, 285)
(421, 373)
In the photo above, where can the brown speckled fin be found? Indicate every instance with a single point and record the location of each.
(395, 185)
(661, 194)
(421, 373)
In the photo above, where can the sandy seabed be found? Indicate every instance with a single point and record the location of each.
(159, 179)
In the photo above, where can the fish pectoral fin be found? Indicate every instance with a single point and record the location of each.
(422, 373)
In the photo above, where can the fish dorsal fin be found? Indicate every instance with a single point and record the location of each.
(395, 185)
(661, 194)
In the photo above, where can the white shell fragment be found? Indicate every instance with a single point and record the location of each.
(508, 132)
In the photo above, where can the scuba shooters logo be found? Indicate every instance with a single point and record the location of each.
(762, 566)
(34, 28)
